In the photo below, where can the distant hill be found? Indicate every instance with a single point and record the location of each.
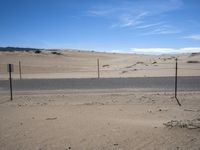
(12, 49)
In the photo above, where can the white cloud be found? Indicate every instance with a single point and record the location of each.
(193, 37)
(146, 26)
(153, 50)
(161, 29)
(190, 49)
(165, 50)
(119, 51)
(128, 20)
(136, 14)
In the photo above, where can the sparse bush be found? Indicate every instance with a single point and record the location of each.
(139, 62)
(56, 53)
(193, 61)
(37, 51)
(194, 54)
(105, 65)
(124, 71)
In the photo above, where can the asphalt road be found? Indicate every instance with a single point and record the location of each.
(146, 83)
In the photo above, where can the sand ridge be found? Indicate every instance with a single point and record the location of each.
(97, 119)
(79, 64)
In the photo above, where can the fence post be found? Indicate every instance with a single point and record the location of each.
(98, 68)
(176, 67)
(20, 70)
(10, 69)
(176, 70)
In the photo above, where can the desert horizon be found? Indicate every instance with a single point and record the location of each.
(98, 112)
(83, 64)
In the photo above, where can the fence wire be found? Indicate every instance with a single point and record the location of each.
(103, 69)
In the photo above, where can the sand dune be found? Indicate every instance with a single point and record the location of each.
(79, 64)
(99, 119)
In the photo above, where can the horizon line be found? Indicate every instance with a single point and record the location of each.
(148, 51)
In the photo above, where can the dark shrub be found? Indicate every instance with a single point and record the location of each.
(37, 51)
(56, 53)
(193, 61)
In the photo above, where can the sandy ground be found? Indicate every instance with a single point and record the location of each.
(123, 119)
(80, 64)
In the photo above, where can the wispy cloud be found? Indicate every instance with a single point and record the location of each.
(190, 49)
(131, 21)
(165, 50)
(147, 26)
(193, 37)
(153, 50)
(159, 51)
(161, 29)
(136, 14)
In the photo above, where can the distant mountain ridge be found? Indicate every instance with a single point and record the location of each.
(12, 49)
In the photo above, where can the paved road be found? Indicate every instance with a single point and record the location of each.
(147, 83)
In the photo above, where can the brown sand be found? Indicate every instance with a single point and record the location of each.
(77, 64)
(97, 119)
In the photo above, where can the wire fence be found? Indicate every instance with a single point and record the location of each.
(100, 69)
(22, 70)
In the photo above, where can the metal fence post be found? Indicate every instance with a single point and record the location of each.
(10, 70)
(20, 70)
(98, 68)
(176, 67)
(176, 70)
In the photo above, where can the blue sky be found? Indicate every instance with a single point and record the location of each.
(140, 26)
